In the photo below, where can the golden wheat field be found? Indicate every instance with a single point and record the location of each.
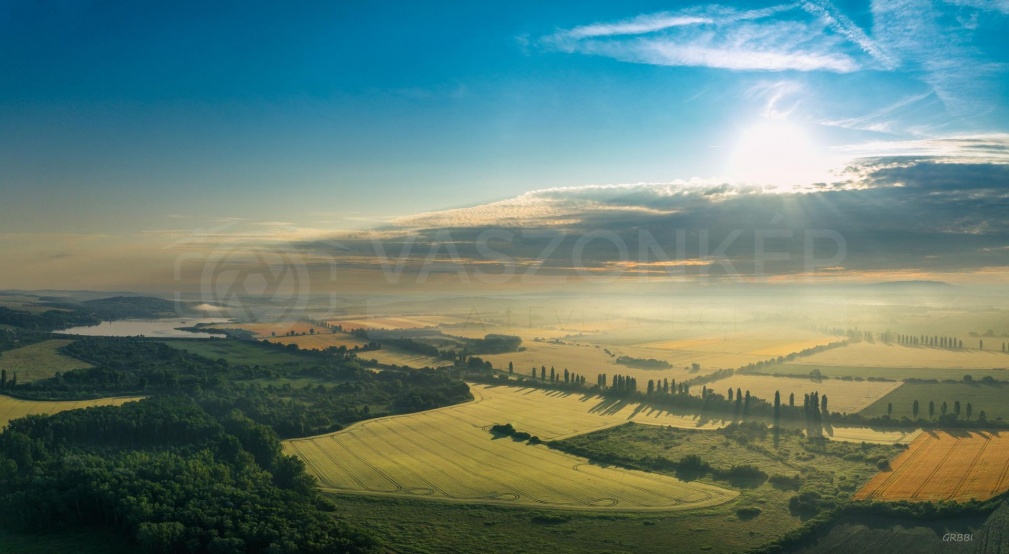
(399, 322)
(392, 356)
(13, 408)
(726, 350)
(942, 465)
(865, 354)
(872, 436)
(39, 361)
(449, 454)
(842, 396)
(527, 334)
(584, 359)
(320, 341)
(742, 347)
(269, 330)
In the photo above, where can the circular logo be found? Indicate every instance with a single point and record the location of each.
(263, 283)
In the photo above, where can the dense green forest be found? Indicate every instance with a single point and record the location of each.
(197, 465)
(332, 390)
(169, 475)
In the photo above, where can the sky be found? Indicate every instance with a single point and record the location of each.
(142, 144)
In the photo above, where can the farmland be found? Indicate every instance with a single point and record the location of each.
(268, 330)
(871, 436)
(895, 373)
(983, 396)
(844, 396)
(448, 454)
(395, 356)
(399, 322)
(240, 352)
(584, 359)
(590, 355)
(941, 465)
(39, 361)
(13, 408)
(865, 354)
(320, 341)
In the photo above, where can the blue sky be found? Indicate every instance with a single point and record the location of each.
(123, 123)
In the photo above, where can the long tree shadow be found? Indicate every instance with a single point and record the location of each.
(608, 406)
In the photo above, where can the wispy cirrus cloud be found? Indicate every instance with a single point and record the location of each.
(939, 46)
(713, 36)
(923, 39)
(842, 24)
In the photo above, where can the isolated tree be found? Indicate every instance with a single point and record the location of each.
(944, 408)
(791, 399)
(981, 416)
(970, 410)
(777, 407)
(956, 408)
(730, 394)
(534, 372)
(823, 405)
(651, 387)
(511, 368)
(931, 409)
(889, 409)
(567, 376)
(914, 409)
(543, 372)
(980, 344)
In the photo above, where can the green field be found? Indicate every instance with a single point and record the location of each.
(893, 536)
(241, 352)
(417, 526)
(39, 361)
(988, 397)
(898, 374)
(831, 469)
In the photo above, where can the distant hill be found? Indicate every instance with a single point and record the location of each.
(912, 284)
(128, 307)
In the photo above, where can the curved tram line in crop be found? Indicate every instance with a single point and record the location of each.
(448, 455)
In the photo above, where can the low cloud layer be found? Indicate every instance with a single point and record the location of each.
(920, 216)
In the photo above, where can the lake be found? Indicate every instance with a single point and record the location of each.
(158, 328)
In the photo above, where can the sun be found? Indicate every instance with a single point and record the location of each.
(778, 153)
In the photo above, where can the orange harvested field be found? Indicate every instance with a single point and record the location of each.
(940, 465)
